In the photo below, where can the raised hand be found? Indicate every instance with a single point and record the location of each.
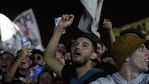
(107, 24)
(66, 21)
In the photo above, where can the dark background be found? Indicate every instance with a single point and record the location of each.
(120, 12)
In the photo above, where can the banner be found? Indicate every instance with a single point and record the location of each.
(89, 20)
(28, 26)
(143, 25)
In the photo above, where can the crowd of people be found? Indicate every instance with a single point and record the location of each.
(88, 60)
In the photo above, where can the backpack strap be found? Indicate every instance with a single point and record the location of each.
(94, 77)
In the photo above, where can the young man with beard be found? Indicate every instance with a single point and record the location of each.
(82, 52)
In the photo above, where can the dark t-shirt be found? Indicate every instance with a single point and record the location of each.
(16, 79)
(69, 71)
(109, 68)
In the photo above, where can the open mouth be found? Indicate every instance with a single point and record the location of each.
(4, 65)
(23, 62)
(77, 54)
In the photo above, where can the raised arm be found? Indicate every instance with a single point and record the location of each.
(107, 24)
(13, 69)
(50, 52)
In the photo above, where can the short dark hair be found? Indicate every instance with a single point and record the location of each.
(37, 51)
(91, 37)
(6, 52)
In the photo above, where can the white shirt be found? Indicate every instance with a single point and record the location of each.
(116, 78)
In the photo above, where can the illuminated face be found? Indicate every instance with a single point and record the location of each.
(81, 51)
(139, 60)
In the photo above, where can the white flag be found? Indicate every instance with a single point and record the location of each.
(7, 28)
(8, 33)
(28, 25)
(89, 20)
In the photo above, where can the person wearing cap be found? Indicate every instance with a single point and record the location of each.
(82, 51)
(131, 57)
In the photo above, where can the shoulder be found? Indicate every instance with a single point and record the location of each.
(94, 74)
(68, 72)
(68, 69)
(144, 77)
(104, 80)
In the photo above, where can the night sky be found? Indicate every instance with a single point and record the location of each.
(120, 12)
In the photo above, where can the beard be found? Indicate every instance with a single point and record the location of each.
(78, 63)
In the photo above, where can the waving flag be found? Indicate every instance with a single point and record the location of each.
(89, 20)
(8, 32)
(7, 28)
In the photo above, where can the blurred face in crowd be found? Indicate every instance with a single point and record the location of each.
(25, 63)
(46, 78)
(81, 50)
(61, 48)
(139, 60)
(38, 59)
(6, 60)
(60, 57)
(101, 49)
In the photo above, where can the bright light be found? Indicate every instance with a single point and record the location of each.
(7, 28)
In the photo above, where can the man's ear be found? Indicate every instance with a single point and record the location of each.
(94, 55)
